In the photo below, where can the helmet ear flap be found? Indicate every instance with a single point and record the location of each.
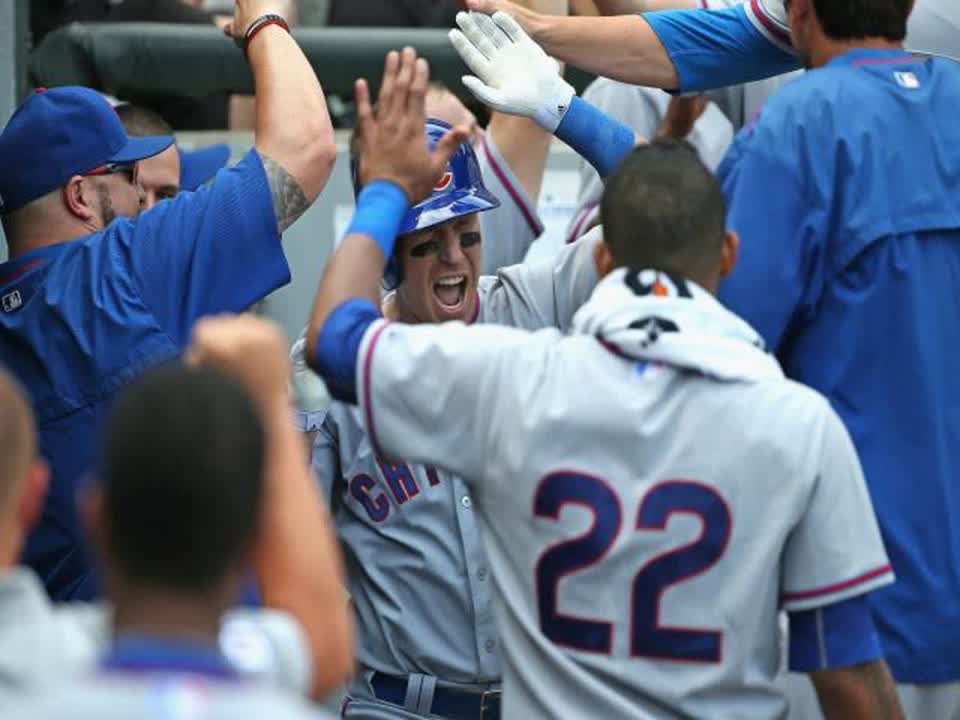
(392, 273)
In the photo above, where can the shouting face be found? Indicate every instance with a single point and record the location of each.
(440, 270)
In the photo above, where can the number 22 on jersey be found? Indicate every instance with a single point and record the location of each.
(648, 637)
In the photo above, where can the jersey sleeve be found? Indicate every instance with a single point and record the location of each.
(716, 48)
(780, 270)
(509, 230)
(210, 251)
(269, 645)
(432, 393)
(835, 551)
(835, 636)
(545, 294)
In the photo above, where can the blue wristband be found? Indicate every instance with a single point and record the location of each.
(598, 138)
(381, 206)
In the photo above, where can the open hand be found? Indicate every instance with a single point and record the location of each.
(512, 73)
(393, 138)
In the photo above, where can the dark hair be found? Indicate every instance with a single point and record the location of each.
(663, 209)
(858, 19)
(142, 122)
(182, 478)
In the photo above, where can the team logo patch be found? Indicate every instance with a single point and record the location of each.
(11, 301)
(444, 183)
(907, 80)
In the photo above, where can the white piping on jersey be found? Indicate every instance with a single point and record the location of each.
(770, 18)
(821, 641)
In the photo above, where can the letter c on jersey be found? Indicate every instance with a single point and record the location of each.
(377, 506)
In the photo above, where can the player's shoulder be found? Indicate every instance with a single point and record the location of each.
(788, 408)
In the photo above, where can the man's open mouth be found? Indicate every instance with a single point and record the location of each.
(451, 291)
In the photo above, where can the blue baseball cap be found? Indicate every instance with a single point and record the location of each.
(58, 133)
(197, 167)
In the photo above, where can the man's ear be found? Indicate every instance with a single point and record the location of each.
(602, 258)
(729, 252)
(79, 196)
(34, 494)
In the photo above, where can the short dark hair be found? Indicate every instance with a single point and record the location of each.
(139, 121)
(663, 209)
(858, 19)
(182, 478)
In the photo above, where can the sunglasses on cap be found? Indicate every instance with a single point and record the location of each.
(127, 169)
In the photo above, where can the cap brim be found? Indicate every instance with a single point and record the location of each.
(197, 167)
(141, 148)
(438, 210)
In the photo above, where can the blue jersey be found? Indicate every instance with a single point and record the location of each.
(846, 196)
(80, 319)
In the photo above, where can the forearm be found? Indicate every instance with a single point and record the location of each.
(623, 48)
(627, 7)
(597, 137)
(297, 561)
(859, 692)
(293, 126)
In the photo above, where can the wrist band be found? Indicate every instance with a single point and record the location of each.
(598, 138)
(256, 26)
(381, 206)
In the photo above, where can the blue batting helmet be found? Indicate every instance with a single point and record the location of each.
(460, 191)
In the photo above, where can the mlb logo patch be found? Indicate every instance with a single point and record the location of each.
(907, 80)
(11, 301)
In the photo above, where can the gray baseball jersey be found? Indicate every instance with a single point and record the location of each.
(42, 643)
(122, 696)
(643, 523)
(643, 110)
(508, 231)
(417, 572)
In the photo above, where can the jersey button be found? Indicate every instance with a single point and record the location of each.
(490, 645)
(465, 501)
(482, 573)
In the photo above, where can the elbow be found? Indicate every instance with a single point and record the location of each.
(319, 157)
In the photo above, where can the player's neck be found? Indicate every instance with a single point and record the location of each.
(11, 544)
(167, 614)
(827, 49)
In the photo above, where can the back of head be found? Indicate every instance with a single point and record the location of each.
(859, 19)
(17, 440)
(663, 209)
(142, 122)
(182, 479)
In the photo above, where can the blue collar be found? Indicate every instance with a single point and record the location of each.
(141, 653)
(870, 56)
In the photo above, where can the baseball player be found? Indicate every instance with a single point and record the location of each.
(512, 155)
(850, 256)
(301, 642)
(652, 488)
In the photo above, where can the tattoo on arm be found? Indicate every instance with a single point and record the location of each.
(289, 202)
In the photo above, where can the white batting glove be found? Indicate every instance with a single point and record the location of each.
(513, 74)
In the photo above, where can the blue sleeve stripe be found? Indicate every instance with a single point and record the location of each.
(834, 636)
(338, 347)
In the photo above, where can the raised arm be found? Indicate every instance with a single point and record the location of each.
(684, 49)
(294, 134)
(296, 559)
(398, 169)
(624, 48)
(496, 49)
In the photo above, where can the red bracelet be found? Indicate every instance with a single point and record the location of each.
(259, 24)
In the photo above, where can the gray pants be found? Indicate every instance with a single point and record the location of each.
(920, 702)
